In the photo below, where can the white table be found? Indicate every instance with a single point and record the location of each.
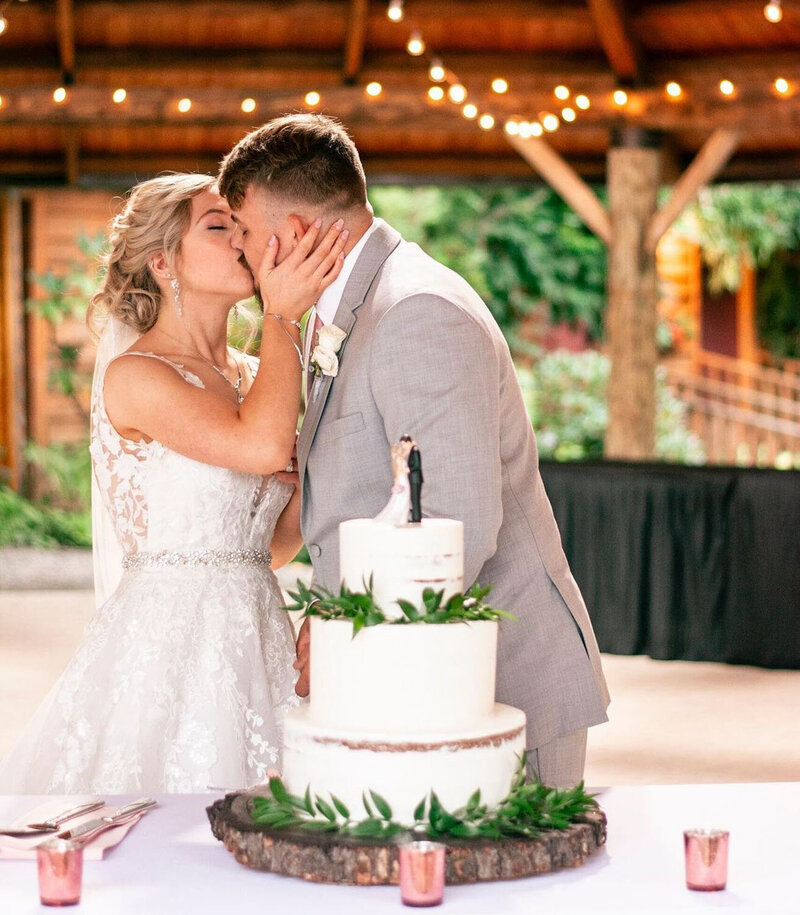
(170, 863)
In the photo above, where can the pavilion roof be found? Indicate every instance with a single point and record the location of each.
(218, 54)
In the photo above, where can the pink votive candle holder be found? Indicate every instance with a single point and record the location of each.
(422, 873)
(706, 852)
(60, 865)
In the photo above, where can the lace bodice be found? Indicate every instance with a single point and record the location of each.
(162, 500)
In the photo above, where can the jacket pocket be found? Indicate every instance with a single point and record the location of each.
(339, 428)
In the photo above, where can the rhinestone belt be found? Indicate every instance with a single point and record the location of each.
(167, 559)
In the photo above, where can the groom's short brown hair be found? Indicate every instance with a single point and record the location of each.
(304, 157)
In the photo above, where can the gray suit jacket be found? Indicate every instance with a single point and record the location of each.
(424, 356)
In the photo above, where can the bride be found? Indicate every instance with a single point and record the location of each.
(184, 673)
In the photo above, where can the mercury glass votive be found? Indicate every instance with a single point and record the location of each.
(706, 852)
(60, 866)
(422, 873)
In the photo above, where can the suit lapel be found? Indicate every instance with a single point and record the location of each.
(378, 247)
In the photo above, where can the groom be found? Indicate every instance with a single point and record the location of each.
(422, 355)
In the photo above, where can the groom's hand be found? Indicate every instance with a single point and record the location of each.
(303, 685)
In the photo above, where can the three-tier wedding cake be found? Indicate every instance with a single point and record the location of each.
(403, 709)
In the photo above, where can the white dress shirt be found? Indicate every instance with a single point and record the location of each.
(328, 303)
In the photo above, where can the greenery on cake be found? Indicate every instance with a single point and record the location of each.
(527, 810)
(361, 608)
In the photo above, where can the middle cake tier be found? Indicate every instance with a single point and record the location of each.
(394, 678)
(404, 768)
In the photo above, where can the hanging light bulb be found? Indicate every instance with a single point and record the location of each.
(184, 105)
(486, 121)
(781, 86)
(416, 45)
(119, 96)
(512, 128)
(561, 93)
(59, 95)
(500, 85)
(550, 122)
(773, 12)
(3, 24)
(436, 93)
(620, 97)
(726, 87)
(673, 89)
(312, 99)
(436, 71)
(373, 89)
(395, 10)
(457, 93)
(568, 114)
(470, 111)
(582, 101)
(248, 105)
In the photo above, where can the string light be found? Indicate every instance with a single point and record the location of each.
(781, 86)
(3, 24)
(119, 96)
(59, 95)
(512, 128)
(470, 111)
(773, 12)
(620, 97)
(416, 45)
(248, 105)
(2, 101)
(374, 89)
(568, 114)
(674, 90)
(499, 85)
(395, 10)
(184, 105)
(561, 93)
(536, 129)
(436, 71)
(457, 93)
(312, 99)
(436, 93)
(582, 101)
(550, 122)
(486, 121)
(726, 87)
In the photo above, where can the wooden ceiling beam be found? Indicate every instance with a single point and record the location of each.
(357, 18)
(616, 35)
(66, 38)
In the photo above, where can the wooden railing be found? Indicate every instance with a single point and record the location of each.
(743, 412)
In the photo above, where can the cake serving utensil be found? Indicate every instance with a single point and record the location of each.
(90, 830)
(52, 824)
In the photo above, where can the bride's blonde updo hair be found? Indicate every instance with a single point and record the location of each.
(153, 221)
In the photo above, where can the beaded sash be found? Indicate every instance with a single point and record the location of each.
(164, 559)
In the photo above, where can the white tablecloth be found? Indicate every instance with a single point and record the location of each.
(170, 863)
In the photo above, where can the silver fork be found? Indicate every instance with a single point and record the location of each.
(51, 825)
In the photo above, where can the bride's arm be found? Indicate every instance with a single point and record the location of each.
(286, 540)
(147, 398)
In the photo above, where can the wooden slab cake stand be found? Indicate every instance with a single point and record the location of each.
(333, 858)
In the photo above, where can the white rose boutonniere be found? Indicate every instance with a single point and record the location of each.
(324, 360)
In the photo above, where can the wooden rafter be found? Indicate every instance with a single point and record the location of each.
(566, 181)
(616, 35)
(706, 165)
(66, 37)
(357, 18)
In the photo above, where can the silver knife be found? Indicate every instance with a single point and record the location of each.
(94, 827)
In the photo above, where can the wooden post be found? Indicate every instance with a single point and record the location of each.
(633, 180)
(12, 363)
(38, 333)
(746, 336)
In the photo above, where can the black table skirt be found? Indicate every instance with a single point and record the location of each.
(693, 563)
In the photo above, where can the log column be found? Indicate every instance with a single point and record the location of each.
(633, 181)
(12, 363)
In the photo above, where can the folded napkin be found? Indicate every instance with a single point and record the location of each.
(12, 848)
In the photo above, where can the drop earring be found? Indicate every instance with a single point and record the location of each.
(176, 291)
(236, 312)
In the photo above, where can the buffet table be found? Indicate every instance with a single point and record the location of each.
(170, 863)
(690, 563)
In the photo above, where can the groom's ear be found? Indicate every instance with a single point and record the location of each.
(299, 226)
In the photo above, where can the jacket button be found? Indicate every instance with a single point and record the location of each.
(315, 550)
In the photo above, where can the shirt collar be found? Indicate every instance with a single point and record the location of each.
(328, 303)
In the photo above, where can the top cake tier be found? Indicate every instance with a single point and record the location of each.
(402, 560)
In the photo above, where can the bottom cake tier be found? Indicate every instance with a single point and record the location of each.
(404, 768)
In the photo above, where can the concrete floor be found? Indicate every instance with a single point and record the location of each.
(671, 721)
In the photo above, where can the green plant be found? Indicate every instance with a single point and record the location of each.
(24, 524)
(565, 394)
(360, 607)
(529, 808)
(66, 470)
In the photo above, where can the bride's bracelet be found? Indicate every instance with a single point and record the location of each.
(280, 319)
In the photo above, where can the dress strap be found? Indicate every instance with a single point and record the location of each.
(187, 376)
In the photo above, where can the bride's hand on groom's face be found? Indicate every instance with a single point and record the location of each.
(293, 286)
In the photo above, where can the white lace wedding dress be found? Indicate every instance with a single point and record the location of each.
(184, 675)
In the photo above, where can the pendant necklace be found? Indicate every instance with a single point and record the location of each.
(235, 385)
